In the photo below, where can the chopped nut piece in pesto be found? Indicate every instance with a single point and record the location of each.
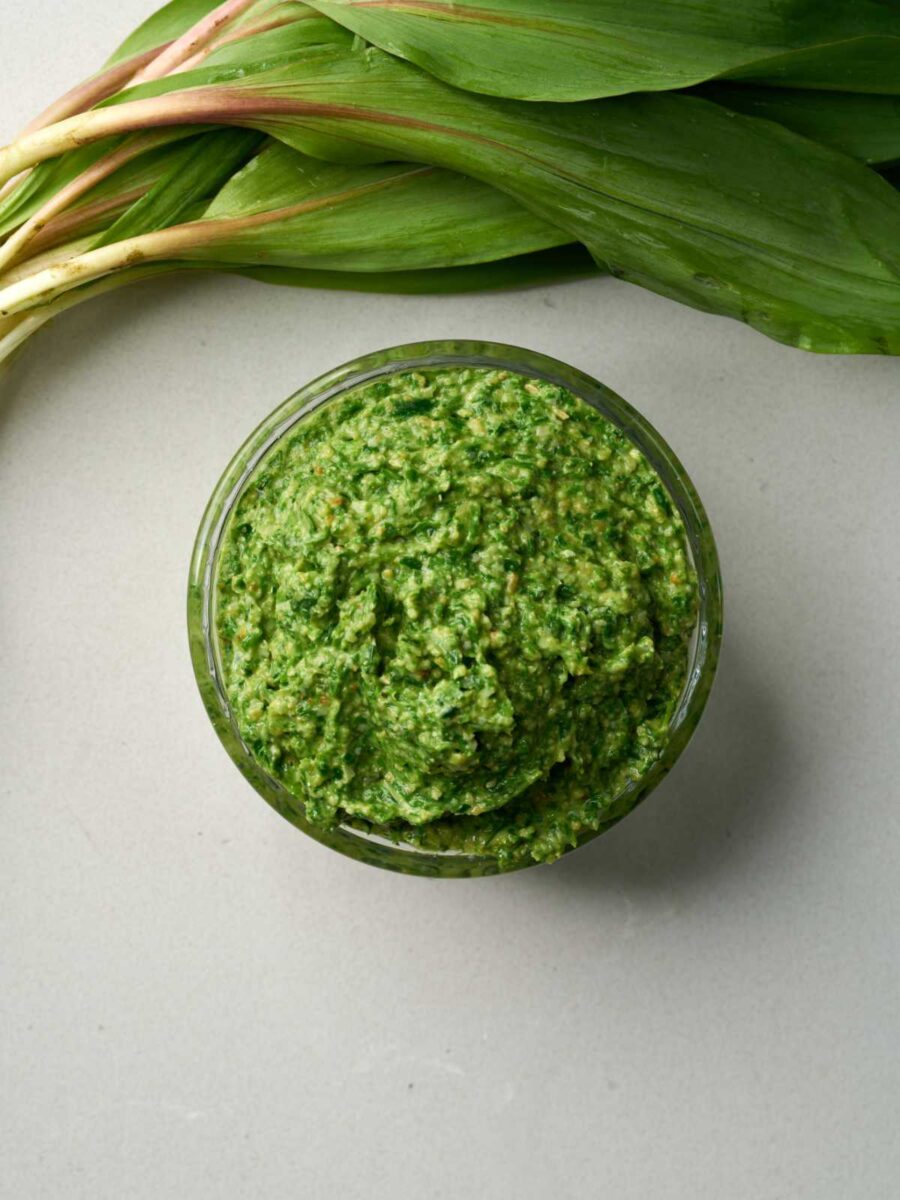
(454, 608)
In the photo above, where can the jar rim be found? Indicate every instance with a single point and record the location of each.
(703, 651)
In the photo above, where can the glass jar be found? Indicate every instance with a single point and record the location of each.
(704, 648)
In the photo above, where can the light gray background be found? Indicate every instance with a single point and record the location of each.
(199, 1002)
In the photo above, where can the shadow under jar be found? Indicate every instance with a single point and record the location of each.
(434, 850)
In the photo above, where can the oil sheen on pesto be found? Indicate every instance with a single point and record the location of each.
(454, 608)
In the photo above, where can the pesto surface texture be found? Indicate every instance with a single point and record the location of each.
(454, 609)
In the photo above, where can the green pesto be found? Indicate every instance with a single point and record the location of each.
(454, 609)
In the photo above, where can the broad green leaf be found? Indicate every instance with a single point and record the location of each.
(582, 49)
(728, 213)
(195, 170)
(864, 63)
(866, 127)
(322, 215)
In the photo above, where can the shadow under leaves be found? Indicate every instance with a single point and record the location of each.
(716, 811)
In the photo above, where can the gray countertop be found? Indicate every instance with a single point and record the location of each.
(199, 1002)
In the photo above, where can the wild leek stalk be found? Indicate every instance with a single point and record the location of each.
(263, 137)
